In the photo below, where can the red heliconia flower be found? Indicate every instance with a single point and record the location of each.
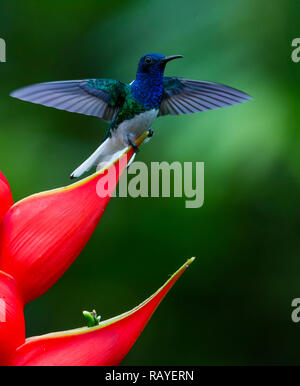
(6, 200)
(40, 237)
(12, 326)
(103, 345)
(43, 234)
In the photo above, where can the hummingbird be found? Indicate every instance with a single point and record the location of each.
(130, 109)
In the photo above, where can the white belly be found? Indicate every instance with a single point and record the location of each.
(135, 127)
(113, 147)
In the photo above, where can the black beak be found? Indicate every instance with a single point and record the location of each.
(167, 59)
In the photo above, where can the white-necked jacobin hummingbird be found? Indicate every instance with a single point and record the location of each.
(131, 108)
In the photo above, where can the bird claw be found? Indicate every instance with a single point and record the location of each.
(150, 133)
(133, 145)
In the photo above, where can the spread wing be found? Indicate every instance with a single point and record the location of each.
(184, 96)
(97, 97)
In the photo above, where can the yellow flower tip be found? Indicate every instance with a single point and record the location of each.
(142, 138)
(190, 261)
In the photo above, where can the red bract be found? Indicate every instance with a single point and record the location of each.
(43, 234)
(6, 200)
(40, 237)
(12, 327)
(103, 345)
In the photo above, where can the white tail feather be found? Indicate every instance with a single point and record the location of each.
(89, 163)
(106, 154)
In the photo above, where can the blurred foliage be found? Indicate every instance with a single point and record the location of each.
(233, 306)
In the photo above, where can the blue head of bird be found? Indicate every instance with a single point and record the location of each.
(147, 88)
(153, 65)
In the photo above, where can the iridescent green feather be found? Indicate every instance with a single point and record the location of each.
(120, 97)
(114, 89)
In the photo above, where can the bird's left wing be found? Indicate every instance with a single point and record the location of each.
(98, 97)
(185, 96)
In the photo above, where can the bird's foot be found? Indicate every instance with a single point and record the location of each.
(150, 133)
(133, 144)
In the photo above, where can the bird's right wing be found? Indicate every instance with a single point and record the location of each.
(97, 97)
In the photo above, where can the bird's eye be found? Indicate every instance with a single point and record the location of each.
(148, 60)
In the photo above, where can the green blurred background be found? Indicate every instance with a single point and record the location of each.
(233, 306)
